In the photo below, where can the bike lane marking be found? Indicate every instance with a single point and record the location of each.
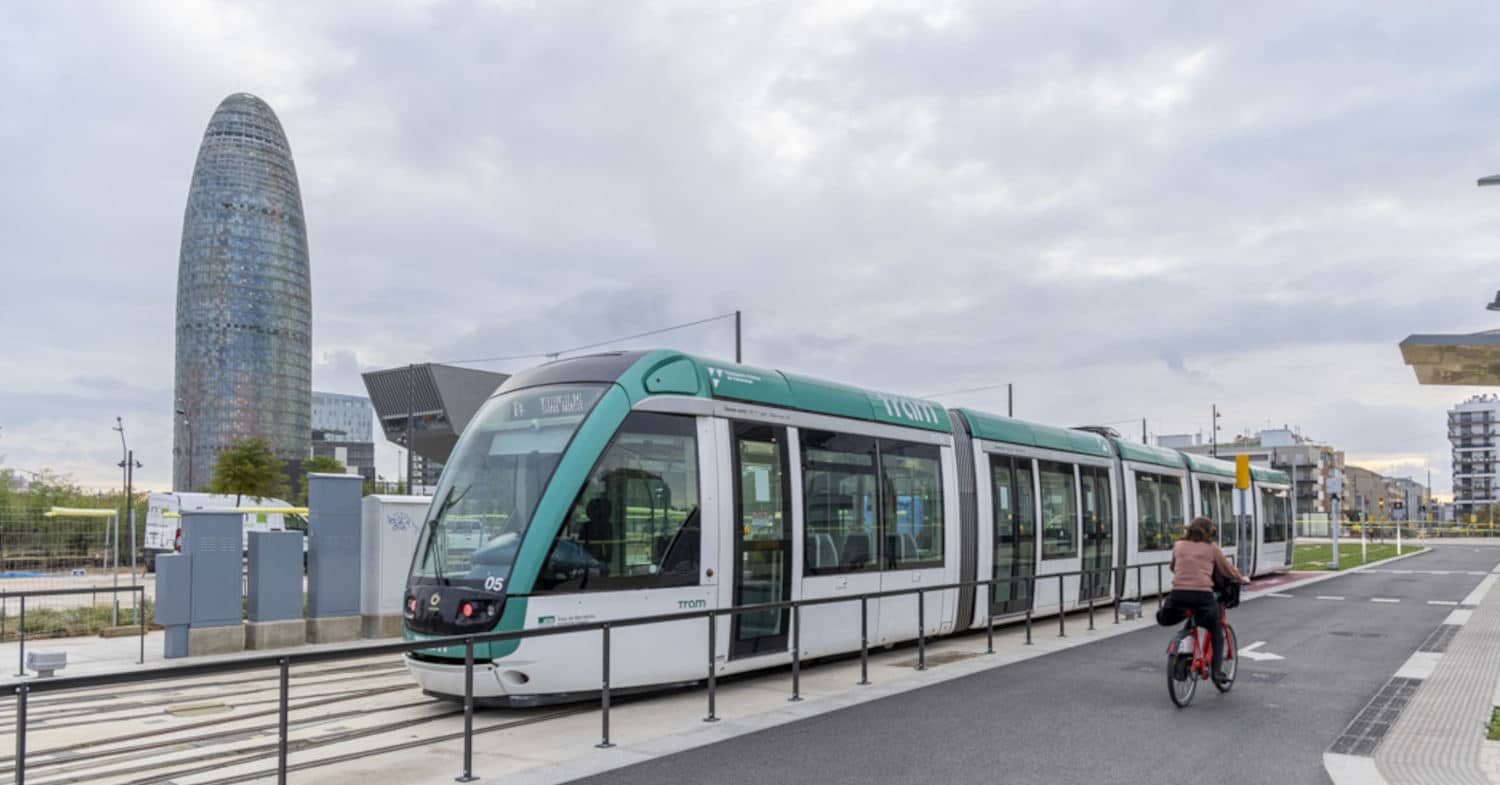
(1330, 597)
(1250, 651)
(1384, 599)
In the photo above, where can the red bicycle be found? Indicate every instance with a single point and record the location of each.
(1190, 657)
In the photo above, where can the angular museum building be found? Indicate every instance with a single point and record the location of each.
(244, 310)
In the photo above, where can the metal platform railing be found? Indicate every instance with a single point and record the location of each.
(283, 662)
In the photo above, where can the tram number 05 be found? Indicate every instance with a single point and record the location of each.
(493, 583)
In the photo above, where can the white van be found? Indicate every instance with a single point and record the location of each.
(164, 518)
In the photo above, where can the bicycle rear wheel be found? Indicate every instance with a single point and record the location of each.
(1182, 683)
(1231, 660)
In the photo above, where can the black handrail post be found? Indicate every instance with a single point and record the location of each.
(21, 692)
(141, 609)
(21, 638)
(1116, 600)
(713, 678)
(1160, 595)
(796, 653)
(921, 632)
(1091, 611)
(1062, 616)
(281, 739)
(1030, 601)
(468, 775)
(604, 694)
(1139, 577)
(864, 640)
(989, 622)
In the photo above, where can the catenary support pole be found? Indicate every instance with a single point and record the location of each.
(738, 356)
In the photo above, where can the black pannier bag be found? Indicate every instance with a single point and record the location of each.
(1227, 589)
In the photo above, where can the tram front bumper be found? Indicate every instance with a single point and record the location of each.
(446, 679)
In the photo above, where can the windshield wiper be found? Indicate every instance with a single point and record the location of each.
(432, 535)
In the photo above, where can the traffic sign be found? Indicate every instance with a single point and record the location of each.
(1242, 472)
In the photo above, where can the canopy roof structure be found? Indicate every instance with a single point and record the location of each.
(1472, 359)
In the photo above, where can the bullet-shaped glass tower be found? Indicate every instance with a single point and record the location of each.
(244, 303)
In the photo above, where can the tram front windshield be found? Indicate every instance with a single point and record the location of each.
(491, 485)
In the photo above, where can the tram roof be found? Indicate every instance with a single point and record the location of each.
(1012, 431)
(1145, 453)
(1203, 464)
(1263, 474)
(664, 372)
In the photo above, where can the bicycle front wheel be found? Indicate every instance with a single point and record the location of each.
(1182, 683)
(1231, 660)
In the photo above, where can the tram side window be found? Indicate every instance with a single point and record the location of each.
(1276, 508)
(1225, 521)
(839, 500)
(1149, 535)
(635, 524)
(912, 481)
(1158, 504)
(1208, 500)
(1059, 510)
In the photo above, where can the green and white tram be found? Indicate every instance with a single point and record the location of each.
(642, 483)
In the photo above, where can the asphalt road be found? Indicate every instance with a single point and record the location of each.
(1100, 713)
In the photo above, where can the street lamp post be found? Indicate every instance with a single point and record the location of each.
(129, 464)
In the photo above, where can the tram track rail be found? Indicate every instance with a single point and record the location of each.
(200, 764)
(357, 670)
(52, 722)
(406, 745)
(43, 759)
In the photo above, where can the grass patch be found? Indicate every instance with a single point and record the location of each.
(1494, 726)
(1316, 556)
(67, 622)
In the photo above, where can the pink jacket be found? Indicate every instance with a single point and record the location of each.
(1193, 565)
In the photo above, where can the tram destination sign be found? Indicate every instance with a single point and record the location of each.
(554, 403)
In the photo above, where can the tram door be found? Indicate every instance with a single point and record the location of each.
(762, 538)
(1014, 504)
(1098, 534)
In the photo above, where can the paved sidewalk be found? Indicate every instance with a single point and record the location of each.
(1426, 727)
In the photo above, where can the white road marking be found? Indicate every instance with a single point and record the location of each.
(1476, 572)
(1477, 596)
(1419, 665)
(1458, 617)
(1384, 599)
(1329, 597)
(1250, 651)
(1278, 594)
(1441, 602)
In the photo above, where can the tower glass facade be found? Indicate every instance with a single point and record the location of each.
(244, 303)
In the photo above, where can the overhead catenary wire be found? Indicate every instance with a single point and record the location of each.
(594, 345)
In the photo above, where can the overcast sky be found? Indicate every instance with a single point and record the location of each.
(1126, 209)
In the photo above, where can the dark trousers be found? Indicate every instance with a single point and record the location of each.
(1205, 608)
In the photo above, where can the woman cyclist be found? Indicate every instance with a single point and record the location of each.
(1193, 562)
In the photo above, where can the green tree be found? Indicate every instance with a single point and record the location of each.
(322, 464)
(248, 468)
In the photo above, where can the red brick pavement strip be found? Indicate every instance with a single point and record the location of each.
(1281, 579)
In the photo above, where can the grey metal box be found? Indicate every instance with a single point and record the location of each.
(274, 585)
(173, 589)
(213, 540)
(333, 544)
